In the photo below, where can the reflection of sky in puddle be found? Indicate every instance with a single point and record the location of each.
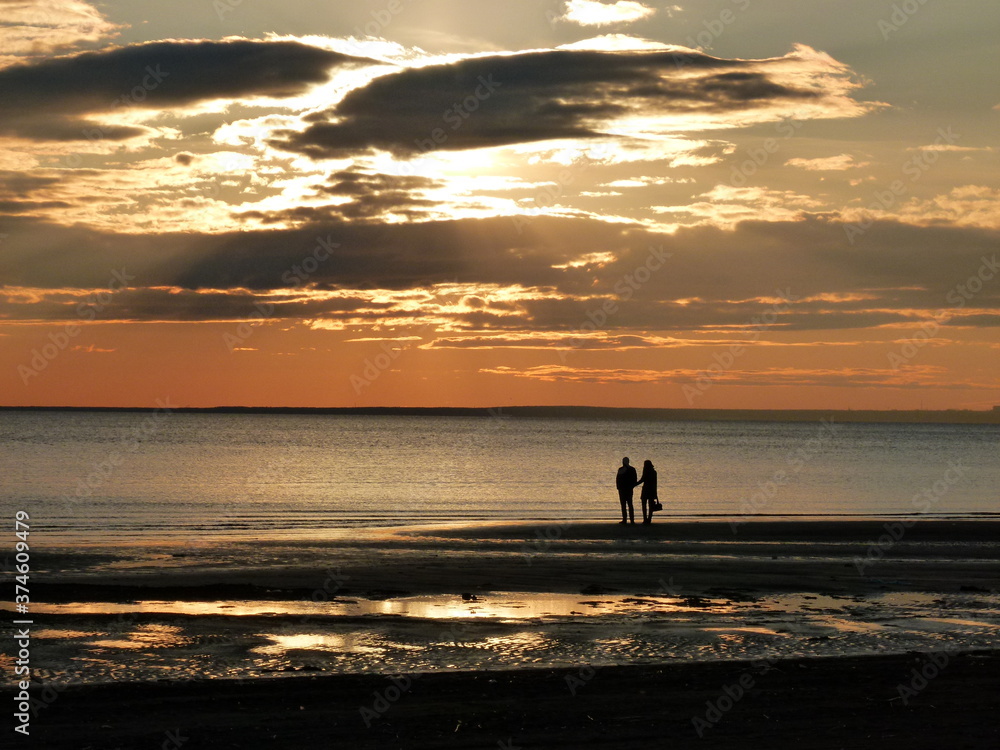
(146, 636)
(340, 643)
(144, 561)
(512, 606)
(59, 633)
(738, 632)
(854, 626)
(501, 630)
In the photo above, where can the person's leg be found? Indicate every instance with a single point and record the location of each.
(631, 510)
(647, 512)
(623, 500)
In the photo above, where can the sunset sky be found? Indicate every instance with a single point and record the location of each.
(706, 203)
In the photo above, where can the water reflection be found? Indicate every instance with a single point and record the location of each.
(507, 606)
(94, 642)
(340, 643)
(148, 636)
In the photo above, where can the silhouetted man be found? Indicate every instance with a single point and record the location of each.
(626, 482)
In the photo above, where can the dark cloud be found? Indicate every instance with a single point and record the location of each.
(701, 278)
(371, 196)
(501, 100)
(51, 99)
(28, 207)
(18, 184)
(158, 304)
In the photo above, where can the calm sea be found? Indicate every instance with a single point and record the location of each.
(101, 476)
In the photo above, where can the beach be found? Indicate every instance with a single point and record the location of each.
(794, 632)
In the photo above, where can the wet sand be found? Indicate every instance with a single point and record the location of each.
(627, 591)
(819, 704)
(830, 557)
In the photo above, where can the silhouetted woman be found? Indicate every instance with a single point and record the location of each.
(648, 494)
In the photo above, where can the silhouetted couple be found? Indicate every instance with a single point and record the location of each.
(626, 481)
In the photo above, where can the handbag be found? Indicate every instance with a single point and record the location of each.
(654, 506)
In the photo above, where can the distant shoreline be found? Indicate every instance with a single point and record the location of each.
(947, 416)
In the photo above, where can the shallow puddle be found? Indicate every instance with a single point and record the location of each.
(101, 642)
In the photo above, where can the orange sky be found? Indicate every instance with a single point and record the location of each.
(540, 203)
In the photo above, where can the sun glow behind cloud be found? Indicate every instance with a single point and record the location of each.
(594, 13)
(484, 206)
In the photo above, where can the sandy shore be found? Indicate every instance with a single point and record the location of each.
(817, 704)
(834, 557)
(623, 636)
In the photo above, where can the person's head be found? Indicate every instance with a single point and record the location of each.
(625, 462)
(647, 464)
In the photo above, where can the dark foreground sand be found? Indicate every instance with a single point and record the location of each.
(821, 703)
(843, 702)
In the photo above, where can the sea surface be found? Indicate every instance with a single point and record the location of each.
(94, 477)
